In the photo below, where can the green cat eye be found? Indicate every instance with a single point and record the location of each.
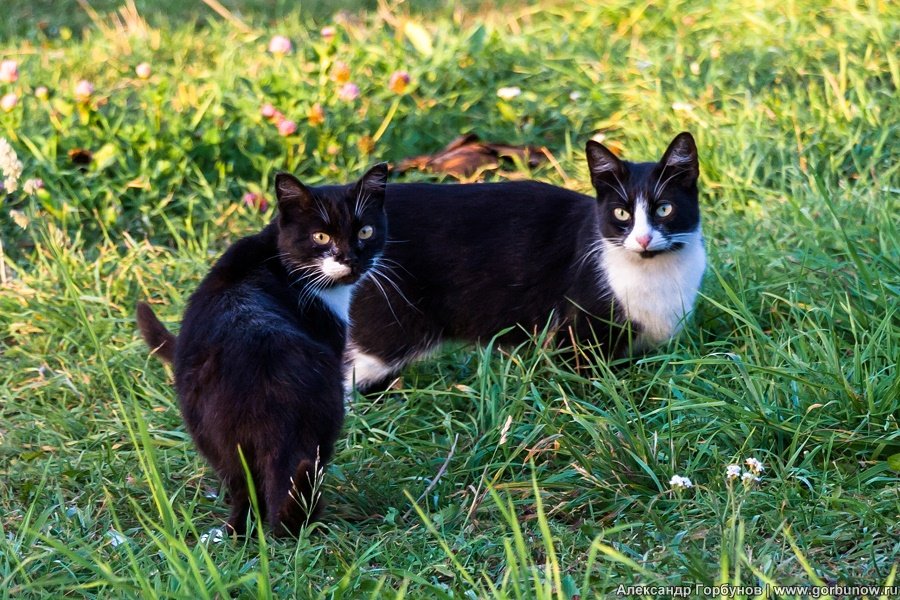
(321, 238)
(365, 232)
(621, 214)
(664, 210)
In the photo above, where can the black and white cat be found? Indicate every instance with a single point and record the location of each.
(259, 361)
(464, 262)
(652, 255)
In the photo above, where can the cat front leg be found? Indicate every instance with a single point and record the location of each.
(368, 372)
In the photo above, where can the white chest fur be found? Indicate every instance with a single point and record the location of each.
(337, 298)
(657, 293)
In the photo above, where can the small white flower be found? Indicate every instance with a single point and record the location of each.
(115, 538)
(10, 166)
(22, 220)
(680, 483)
(280, 45)
(508, 93)
(83, 90)
(732, 472)
(575, 96)
(682, 106)
(749, 478)
(755, 466)
(31, 186)
(505, 429)
(215, 535)
(9, 101)
(143, 70)
(9, 71)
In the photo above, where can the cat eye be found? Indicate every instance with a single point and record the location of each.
(365, 232)
(621, 214)
(321, 238)
(664, 210)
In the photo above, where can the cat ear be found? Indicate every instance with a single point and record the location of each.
(605, 166)
(373, 183)
(293, 197)
(290, 191)
(681, 155)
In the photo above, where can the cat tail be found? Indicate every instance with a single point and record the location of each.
(160, 339)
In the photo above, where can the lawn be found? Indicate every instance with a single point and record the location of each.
(489, 473)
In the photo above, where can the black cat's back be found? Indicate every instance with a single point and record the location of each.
(619, 272)
(259, 358)
(250, 374)
(247, 293)
(467, 279)
(497, 255)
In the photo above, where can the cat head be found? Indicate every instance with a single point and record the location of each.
(331, 235)
(647, 208)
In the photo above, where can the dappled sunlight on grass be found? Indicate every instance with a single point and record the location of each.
(502, 473)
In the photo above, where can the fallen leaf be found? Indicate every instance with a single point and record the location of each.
(467, 154)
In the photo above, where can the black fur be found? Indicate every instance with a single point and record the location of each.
(465, 262)
(258, 362)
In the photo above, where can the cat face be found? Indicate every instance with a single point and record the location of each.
(331, 235)
(647, 208)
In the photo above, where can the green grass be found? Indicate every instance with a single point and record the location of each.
(556, 484)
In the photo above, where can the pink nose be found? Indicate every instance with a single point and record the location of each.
(644, 240)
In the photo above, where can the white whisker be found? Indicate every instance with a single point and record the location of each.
(362, 201)
(376, 268)
(311, 288)
(621, 194)
(593, 251)
(374, 280)
(392, 262)
(658, 189)
(322, 212)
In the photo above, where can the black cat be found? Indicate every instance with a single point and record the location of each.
(258, 362)
(465, 262)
